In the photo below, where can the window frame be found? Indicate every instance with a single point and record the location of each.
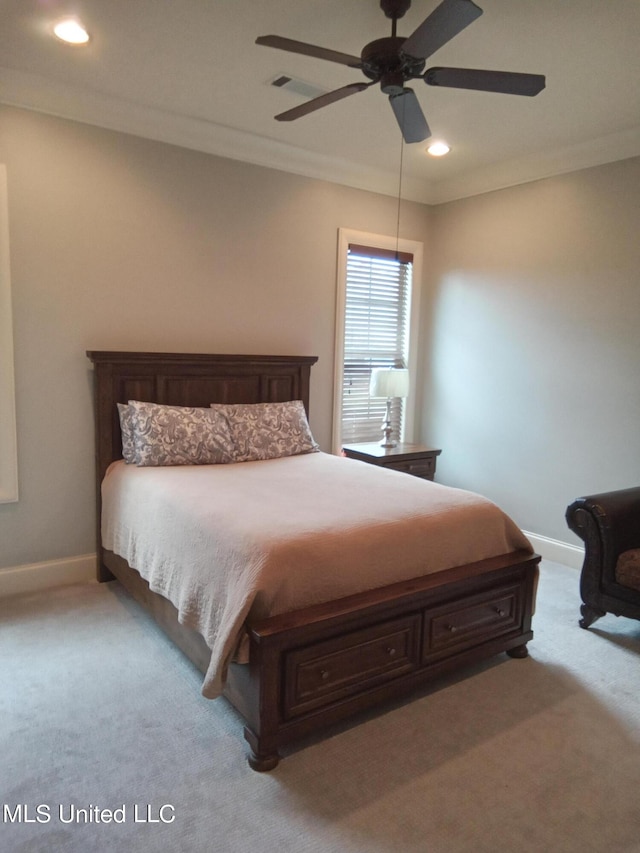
(347, 236)
(8, 436)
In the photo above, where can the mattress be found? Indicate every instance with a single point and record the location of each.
(235, 542)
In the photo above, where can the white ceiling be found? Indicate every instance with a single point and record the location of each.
(189, 72)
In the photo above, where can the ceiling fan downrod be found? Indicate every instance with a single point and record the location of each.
(394, 9)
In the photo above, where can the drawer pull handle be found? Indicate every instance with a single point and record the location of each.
(452, 628)
(324, 674)
(391, 651)
(500, 611)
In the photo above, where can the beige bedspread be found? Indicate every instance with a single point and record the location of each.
(227, 542)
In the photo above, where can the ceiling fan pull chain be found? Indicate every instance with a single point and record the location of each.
(399, 190)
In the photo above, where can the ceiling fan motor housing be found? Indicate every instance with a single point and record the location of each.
(382, 60)
(392, 83)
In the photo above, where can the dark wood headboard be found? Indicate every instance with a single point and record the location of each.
(186, 379)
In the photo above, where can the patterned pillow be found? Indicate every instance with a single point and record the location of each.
(268, 430)
(177, 435)
(126, 431)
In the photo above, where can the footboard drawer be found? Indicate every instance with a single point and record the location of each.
(328, 671)
(457, 625)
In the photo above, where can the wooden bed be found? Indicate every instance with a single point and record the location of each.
(313, 667)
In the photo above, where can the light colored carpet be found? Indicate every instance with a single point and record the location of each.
(99, 709)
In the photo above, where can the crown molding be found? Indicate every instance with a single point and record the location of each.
(536, 167)
(30, 91)
(33, 92)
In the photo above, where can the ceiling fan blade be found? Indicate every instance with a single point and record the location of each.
(323, 101)
(410, 117)
(310, 50)
(507, 82)
(446, 21)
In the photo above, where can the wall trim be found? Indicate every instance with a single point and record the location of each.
(557, 551)
(8, 434)
(39, 576)
(27, 90)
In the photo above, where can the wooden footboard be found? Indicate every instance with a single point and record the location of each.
(315, 666)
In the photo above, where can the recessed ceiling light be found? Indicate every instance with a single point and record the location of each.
(71, 31)
(438, 149)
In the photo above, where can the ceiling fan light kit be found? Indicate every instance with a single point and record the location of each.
(394, 61)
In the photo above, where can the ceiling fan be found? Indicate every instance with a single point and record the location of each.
(394, 60)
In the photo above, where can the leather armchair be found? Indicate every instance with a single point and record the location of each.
(609, 524)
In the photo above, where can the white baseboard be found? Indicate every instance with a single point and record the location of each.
(556, 551)
(37, 576)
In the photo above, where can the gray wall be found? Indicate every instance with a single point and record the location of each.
(123, 243)
(530, 345)
(533, 315)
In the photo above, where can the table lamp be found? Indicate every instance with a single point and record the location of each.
(389, 382)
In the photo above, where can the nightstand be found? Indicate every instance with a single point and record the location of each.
(413, 459)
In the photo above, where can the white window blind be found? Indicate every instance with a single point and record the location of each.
(376, 334)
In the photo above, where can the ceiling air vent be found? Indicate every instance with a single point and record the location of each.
(298, 87)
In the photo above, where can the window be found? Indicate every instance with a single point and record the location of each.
(377, 311)
(8, 461)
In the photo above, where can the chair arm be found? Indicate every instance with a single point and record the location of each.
(609, 524)
(616, 515)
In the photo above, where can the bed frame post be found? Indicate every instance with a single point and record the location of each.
(256, 698)
(264, 755)
(104, 453)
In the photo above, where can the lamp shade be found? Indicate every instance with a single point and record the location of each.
(389, 382)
